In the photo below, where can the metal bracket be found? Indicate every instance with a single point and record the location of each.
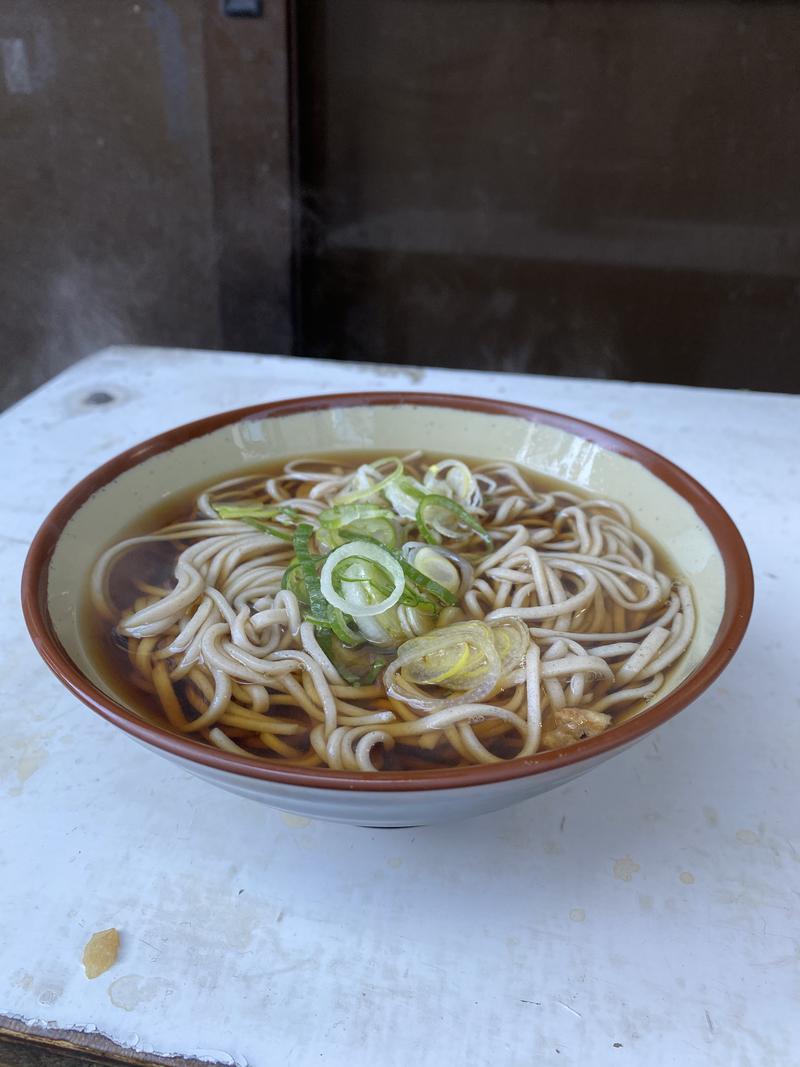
(243, 9)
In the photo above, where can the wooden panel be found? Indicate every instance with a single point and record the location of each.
(37, 1046)
(105, 232)
(247, 73)
(575, 188)
(145, 178)
(554, 318)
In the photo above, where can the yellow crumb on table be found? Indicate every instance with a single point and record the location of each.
(100, 952)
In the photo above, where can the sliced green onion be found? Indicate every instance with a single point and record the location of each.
(458, 481)
(461, 658)
(458, 660)
(355, 551)
(341, 628)
(511, 639)
(257, 511)
(377, 487)
(347, 514)
(293, 581)
(381, 530)
(330, 624)
(404, 494)
(470, 659)
(457, 657)
(372, 577)
(265, 527)
(320, 609)
(434, 565)
(434, 500)
(308, 570)
(346, 522)
(383, 630)
(255, 514)
(430, 584)
(419, 579)
(410, 552)
(413, 599)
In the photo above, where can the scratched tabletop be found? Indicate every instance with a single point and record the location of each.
(644, 914)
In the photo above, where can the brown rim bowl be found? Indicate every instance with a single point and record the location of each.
(735, 611)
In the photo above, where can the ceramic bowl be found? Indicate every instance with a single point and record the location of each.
(663, 499)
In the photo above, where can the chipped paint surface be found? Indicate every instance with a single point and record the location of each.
(132, 991)
(249, 937)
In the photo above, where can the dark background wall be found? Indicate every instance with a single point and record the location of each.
(570, 187)
(105, 228)
(144, 181)
(607, 189)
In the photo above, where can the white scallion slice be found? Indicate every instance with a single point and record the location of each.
(434, 565)
(452, 478)
(404, 495)
(359, 605)
(363, 488)
(411, 548)
(511, 640)
(461, 658)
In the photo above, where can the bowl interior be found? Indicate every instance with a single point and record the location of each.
(658, 509)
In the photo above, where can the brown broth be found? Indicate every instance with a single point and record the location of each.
(154, 564)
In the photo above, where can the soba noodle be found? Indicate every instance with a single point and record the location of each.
(394, 614)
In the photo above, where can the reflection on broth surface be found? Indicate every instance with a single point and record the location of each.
(364, 612)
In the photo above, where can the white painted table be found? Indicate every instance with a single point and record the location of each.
(646, 914)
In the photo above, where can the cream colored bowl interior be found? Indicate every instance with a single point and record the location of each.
(656, 508)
